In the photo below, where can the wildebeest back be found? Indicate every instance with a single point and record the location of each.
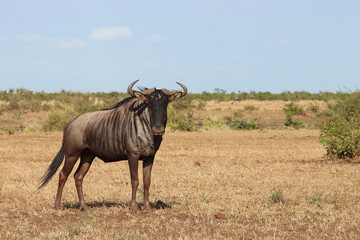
(111, 133)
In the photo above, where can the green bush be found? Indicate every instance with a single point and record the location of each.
(277, 197)
(2, 109)
(340, 137)
(46, 107)
(178, 121)
(182, 104)
(250, 108)
(181, 123)
(314, 107)
(245, 125)
(14, 104)
(83, 105)
(340, 133)
(348, 106)
(6, 128)
(32, 105)
(237, 114)
(57, 119)
(294, 123)
(33, 127)
(293, 109)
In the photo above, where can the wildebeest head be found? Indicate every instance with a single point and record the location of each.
(157, 101)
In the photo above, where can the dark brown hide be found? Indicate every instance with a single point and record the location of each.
(111, 134)
(124, 132)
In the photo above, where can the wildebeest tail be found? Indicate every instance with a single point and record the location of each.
(55, 164)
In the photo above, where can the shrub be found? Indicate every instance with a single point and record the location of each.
(294, 123)
(181, 123)
(84, 105)
(198, 104)
(32, 105)
(215, 122)
(348, 106)
(314, 107)
(6, 128)
(277, 197)
(293, 109)
(14, 104)
(245, 125)
(57, 119)
(182, 104)
(178, 121)
(2, 109)
(46, 107)
(34, 127)
(238, 114)
(340, 137)
(340, 133)
(316, 199)
(18, 115)
(250, 108)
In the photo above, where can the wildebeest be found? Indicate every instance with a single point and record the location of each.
(132, 130)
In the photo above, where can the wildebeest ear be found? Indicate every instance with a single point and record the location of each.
(174, 96)
(141, 96)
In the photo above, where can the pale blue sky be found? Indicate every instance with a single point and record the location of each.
(261, 45)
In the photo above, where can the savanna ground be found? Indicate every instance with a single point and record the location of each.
(272, 183)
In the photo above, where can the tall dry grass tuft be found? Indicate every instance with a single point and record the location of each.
(215, 122)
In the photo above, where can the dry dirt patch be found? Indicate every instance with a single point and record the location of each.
(197, 175)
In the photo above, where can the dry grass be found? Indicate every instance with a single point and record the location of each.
(197, 175)
(269, 114)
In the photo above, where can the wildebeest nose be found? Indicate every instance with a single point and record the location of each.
(158, 130)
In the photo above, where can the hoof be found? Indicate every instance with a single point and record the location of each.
(57, 207)
(85, 208)
(133, 207)
(148, 207)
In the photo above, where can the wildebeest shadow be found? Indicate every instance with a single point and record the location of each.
(96, 204)
(108, 204)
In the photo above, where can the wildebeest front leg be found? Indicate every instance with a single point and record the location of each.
(133, 165)
(86, 159)
(147, 166)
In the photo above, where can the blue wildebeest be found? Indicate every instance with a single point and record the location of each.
(132, 130)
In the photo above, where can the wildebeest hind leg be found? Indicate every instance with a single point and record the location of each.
(86, 159)
(63, 175)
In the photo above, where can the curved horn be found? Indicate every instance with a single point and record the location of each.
(129, 90)
(167, 92)
(183, 87)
